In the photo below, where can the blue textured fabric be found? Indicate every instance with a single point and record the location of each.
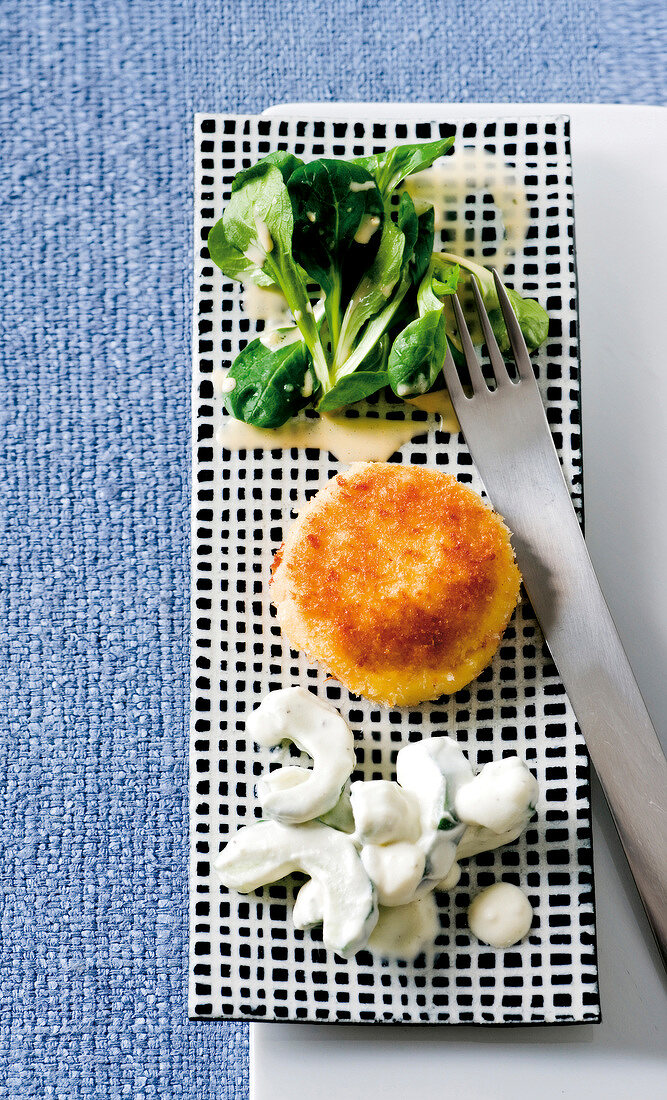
(96, 104)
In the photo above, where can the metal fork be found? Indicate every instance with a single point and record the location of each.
(509, 438)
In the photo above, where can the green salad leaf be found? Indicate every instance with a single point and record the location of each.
(234, 261)
(423, 248)
(391, 168)
(418, 352)
(533, 319)
(354, 387)
(417, 355)
(270, 384)
(256, 231)
(408, 223)
(371, 295)
(286, 163)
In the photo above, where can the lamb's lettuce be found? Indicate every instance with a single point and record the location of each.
(354, 387)
(254, 240)
(270, 384)
(339, 234)
(372, 294)
(391, 168)
(286, 163)
(419, 350)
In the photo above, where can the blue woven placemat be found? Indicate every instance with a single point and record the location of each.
(96, 105)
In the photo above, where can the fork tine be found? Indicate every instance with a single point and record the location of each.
(517, 342)
(452, 380)
(497, 361)
(474, 370)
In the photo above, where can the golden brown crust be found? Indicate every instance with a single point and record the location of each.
(399, 579)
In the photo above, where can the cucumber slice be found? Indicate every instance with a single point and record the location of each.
(403, 931)
(395, 870)
(477, 839)
(309, 905)
(294, 794)
(501, 798)
(383, 812)
(340, 816)
(269, 850)
(433, 770)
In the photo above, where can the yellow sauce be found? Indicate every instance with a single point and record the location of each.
(438, 401)
(362, 439)
(451, 181)
(263, 304)
(359, 440)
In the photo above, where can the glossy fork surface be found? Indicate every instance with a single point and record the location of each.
(510, 441)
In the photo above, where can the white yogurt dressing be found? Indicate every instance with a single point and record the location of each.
(403, 931)
(369, 224)
(501, 915)
(264, 237)
(407, 836)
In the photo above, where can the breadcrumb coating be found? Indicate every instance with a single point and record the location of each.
(399, 580)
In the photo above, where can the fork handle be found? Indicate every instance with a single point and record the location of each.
(577, 624)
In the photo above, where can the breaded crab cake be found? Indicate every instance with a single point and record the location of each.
(399, 580)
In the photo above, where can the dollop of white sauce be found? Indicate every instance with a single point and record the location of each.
(368, 185)
(369, 224)
(501, 915)
(403, 931)
(264, 236)
(227, 385)
(307, 387)
(272, 340)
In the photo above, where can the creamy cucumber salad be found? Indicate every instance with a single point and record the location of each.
(375, 851)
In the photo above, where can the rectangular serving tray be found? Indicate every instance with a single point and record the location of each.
(247, 960)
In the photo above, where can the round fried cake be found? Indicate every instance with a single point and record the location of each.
(399, 580)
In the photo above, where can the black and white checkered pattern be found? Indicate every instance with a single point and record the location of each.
(246, 958)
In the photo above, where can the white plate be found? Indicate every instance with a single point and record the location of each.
(620, 174)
